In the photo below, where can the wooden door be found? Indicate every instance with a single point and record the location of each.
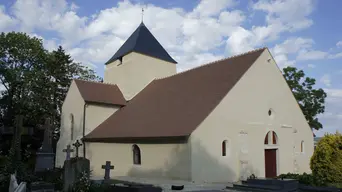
(270, 163)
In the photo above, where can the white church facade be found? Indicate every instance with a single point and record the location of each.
(219, 122)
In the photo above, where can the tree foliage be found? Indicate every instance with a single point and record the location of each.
(310, 100)
(35, 81)
(326, 162)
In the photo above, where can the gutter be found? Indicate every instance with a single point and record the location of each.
(84, 116)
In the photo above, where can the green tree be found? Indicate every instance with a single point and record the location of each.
(326, 162)
(35, 81)
(310, 100)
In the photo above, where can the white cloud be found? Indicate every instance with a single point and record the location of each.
(326, 80)
(290, 46)
(282, 16)
(286, 15)
(311, 66)
(240, 40)
(336, 93)
(207, 8)
(335, 56)
(339, 44)
(95, 38)
(196, 60)
(331, 119)
(6, 22)
(293, 45)
(311, 55)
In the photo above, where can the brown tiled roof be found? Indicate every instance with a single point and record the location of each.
(174, 106)
(100, 92)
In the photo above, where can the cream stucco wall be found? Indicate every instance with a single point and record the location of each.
(74, 104)
(242, 119)
(157, 160)
(135, 72)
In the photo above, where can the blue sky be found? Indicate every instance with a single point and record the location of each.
(306, 34)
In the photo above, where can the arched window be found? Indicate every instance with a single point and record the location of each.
(266, 139)
(72, 126)
(271, 138)
(302, 146)
(274, 138)
(224, 149)
(136, 155)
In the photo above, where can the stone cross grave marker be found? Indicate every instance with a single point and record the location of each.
(77, 145)
(47, 142)
(16, 143)
(45, 155)
(68, 150)
(107, 169)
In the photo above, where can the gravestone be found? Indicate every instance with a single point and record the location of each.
(45, 155)
(44, 160)
(107, 167)
(68, 150)
(73, 168)
(16, 145)
(77, 144)
(16, 141)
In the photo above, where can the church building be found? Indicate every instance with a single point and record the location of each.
(219, 122)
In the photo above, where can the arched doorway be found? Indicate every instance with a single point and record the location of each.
(271, 148)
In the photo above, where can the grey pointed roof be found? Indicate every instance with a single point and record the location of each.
(142, 41)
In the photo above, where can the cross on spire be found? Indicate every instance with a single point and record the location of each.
(68, 150)
(142, 14)
(77, 145)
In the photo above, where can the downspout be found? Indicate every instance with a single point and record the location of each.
(84, 117)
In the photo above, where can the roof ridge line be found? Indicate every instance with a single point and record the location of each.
(103, 83)
(213, 62)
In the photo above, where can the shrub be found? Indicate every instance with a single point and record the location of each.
(95, 187)
(306, 179)
(82, 183)
(52, 176)
(326, 162)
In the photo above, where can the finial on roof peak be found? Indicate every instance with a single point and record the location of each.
(142, 15)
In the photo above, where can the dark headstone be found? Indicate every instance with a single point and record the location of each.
(73, 168)
(16, 142)
(177, 187)
(68, 150)
(107, 169)
(45, 155)
(47, 141)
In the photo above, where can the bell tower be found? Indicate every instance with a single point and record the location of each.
(138, 61)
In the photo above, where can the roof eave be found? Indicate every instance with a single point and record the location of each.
(154, 139)
(105, 103)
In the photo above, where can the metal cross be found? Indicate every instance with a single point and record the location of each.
(107, 169)
(142, 14)
(68, 150)
(77, 145)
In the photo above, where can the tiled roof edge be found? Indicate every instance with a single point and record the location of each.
(96, 82)
(213, 62)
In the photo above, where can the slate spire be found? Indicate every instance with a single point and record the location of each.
(142, 41)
